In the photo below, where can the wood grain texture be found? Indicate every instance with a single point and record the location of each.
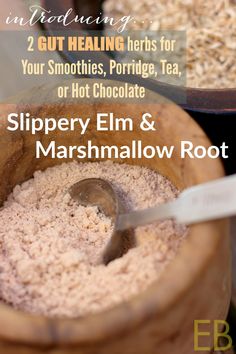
(196, 285)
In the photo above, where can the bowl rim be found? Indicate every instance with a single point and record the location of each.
(215, 101)
(197, 252)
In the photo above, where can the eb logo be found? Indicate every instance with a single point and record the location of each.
(220, 329)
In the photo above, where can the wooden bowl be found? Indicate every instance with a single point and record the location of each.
(217, 101)
(196, 285)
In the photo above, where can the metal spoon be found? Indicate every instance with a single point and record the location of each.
(100, 193)
(208, 201)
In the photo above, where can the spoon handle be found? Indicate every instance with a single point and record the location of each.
(208, 201)
(146, 216)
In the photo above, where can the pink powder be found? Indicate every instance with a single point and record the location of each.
(51, 248)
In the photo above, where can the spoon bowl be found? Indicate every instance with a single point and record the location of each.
(100, 193)
(96, 192)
